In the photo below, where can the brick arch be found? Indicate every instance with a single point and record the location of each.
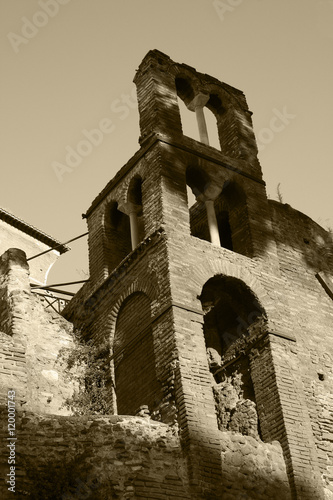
(123, 192)
(228, 110)
(218, 267)
(227, 98)
(200, 85)
(133, 364)
(117, 234)
(179, 71)
(145, 285)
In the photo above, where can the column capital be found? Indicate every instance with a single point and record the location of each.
(199, 101)
(210, 193)
(129, 208)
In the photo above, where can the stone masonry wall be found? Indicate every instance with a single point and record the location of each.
(64, 458)
(31, 338)
(121, 457)
(252, 469)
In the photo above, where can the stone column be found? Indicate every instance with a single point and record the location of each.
(197, 105)
(208, 196)
(132, 211)
(212, 223)
(134, 228)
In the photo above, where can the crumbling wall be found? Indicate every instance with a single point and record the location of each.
(31, 338)
(122, 457)
(235, 412)
(67, 457)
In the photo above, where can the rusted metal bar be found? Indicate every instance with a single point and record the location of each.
(57, 246)
(41, 287)
(71, 294)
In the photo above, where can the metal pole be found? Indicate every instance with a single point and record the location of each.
(58, 284)
(71, 294)
(57, 246)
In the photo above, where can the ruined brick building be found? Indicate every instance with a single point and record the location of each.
(218, 316)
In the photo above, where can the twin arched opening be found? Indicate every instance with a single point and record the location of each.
(219, 216)
(207, 108)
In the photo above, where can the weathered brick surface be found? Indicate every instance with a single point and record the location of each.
(304, 248)
(228, 345)
(133, 357)
(257, 253)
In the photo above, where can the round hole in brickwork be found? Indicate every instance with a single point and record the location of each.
(307, 242)
(321, 376)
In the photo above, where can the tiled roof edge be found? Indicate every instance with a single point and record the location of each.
(32, 231)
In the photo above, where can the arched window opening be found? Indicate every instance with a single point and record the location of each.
(220, 132)
(134, 199)
(232, 216)
(212, 130)
(135, 191)
(230, 308)
(231, 314)
(188, 120)
(185, 94)
(197, 182)
(201, 123)
(202, 215)
(198, 222)
(118, 236)
(191, 199)
(136, 383)
(214, 104)
(224, 230)
(184, 89)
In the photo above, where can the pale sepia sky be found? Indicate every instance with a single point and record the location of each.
(67, 65)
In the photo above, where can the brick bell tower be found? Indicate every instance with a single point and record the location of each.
(192, 298)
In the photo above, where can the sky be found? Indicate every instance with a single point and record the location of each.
(68, 68)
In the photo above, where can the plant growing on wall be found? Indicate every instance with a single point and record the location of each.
(279, 194)
(88, 365)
